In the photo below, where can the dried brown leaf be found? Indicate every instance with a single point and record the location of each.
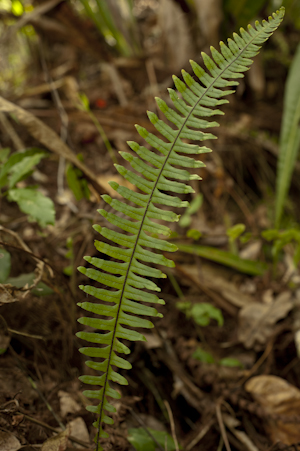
(217, 279)
(79, 430)
(9, 294)
(67, 403)
(57, 443)
(256, 321)
(281, 399)
(48, 138)
(8, 442)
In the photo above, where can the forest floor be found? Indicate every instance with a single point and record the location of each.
(233, 384)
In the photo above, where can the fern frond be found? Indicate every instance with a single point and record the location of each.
(127, 278)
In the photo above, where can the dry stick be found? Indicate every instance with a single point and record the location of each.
(172, 424)
(6, 125)
(63, 129)
(260, 361)
(222, 427)
(200, 436)
(27, 373)
(49, 139)
(153, 85)
(16, 332)
(45, 425)
(116, 82)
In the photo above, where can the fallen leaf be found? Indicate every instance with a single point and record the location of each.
(153, 341)
(8, 294)
(251, 250)
(79, 430)
(8, 442)
(217, 279)
(232, 423)
(67, 403)
(57, 443)
(49, 138)
(278, 397)
(256, 321)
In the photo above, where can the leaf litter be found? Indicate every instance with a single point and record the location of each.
(251, 405)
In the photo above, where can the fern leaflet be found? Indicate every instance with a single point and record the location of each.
(125, 275)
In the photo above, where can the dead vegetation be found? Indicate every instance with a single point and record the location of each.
(202, 402)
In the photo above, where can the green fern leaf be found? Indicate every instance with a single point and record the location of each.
(126, 276)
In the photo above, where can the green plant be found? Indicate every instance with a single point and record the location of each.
(251, 267)
(147, 439)
(116, 23)
(17, 167)
(281, 239)
(76, 182)
(201, 312)
(194, 206)
(289, 144)
(124, 286)
(233, 234)
(206, 357)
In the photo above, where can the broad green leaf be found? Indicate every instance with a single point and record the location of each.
(13, 161)
(281, 239)
(289, 136)
(230, 361)
(76, 183)
(194, 206)
(184, 306)
(203, 312)
(5, 264)
(4, 154)
(234, 232)
(142, 441)
(41, 289)
(23, 168)
(250, 267)
(203, 356)
(194, 234)
(38, 207)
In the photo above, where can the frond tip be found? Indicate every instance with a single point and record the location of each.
(125, 289)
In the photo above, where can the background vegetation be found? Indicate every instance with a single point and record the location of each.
(74, 79)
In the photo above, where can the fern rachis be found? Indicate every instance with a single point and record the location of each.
(126, 274)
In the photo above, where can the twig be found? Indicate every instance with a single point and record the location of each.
(6, 125)
(141, 422)
(45, 425)
(259, 362)
(45, 135)
(201, 434)
(222, 427)
(63, 129)
(153, 85)
(115, 78)
(172, 424)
